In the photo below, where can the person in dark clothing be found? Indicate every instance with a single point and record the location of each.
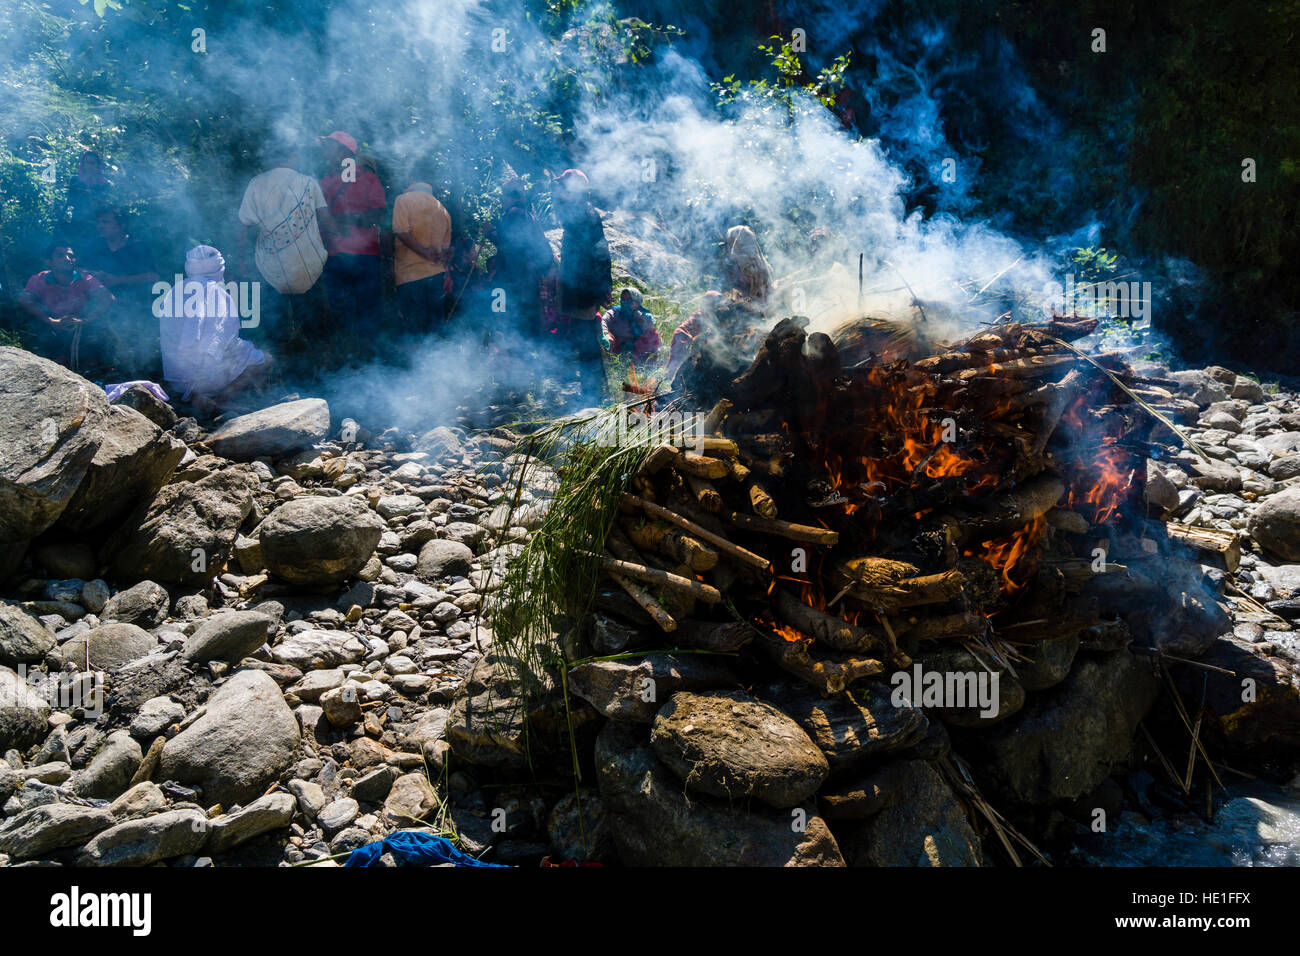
(66, 311)
(586, 281)
(88, 192)
(519, 275)
(125, 266)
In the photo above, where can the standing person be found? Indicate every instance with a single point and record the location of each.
(125, 266)
(203, 356)
(521, 269)
(67, 311)
(353, 273)
(89, 191)
(586, 280)
(285, 213)
(421, 251)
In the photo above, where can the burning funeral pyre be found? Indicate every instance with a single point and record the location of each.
(874, 530)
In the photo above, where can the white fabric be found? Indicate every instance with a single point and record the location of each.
(199, 334)
(282, 203)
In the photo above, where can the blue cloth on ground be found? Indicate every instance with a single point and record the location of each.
(412, 848)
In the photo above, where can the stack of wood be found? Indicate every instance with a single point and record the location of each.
(846, 507)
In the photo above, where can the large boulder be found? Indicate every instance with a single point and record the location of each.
(24, 638)
(108, 646)
(850, 728)
(266, 813)
(135, 459)
(227, 636)
(1067, 739)
(654, 823)
(319, 542)
(441, 558)
(273, 432)
(1275, 524)
(244, 741)
(147, 840)
(144, 605)
(729, 745)
(1252, 705)
(23, 712)
(920, 824)
(109, 773)
(634, 690)
(184, 533)
(49, 432)
(53, 826)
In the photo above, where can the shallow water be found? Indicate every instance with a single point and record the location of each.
(1258, 826)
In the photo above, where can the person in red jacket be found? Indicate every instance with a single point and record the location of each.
(357, 204)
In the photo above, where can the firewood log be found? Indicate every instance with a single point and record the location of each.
(672, 541)
(704, 534)
(829, 674)
(706, 495)
(1222, 544)
(702, 466)
(761, 501)
(712, 636)
(785, 529)
(824, 628)
(663, 579)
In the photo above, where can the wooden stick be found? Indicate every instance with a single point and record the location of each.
(705, 494)
(785, 529)
(647, 602)
(658, 458)
(713, 420)
(673, 542)
(761, 501)
(665, 579)
(701, 466)
(820, 626)
(828, 676)
(704, 534)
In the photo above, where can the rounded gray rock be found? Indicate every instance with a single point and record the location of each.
(319, 542)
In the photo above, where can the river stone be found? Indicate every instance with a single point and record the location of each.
(244, 741)
(147, 840)
(110, 773)
(135, 458)
(443, 558)
(23, 712)
(53, 826)
(183, 535)
(961, 673)
(727, 744)
(266, 813)
(313, 649)
(108, 646)
(144, 605)
(24, 638)
(149, 405)
(655, 824)
(1275, 525)
(1266, 725)
(486, 725)
(50, 429)
(273, 432)
(155, 715)
(625, 690)
(1067, 739)
(1048, 662)
(410, 800)
(850, 729)
(921, 824)
(227, 636)
(319, 542)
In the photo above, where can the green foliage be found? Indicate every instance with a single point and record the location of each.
(791, 76)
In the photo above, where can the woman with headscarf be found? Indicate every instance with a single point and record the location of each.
(202, 354)
(748, 270)
(630, 328)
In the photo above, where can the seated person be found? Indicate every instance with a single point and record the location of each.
(685, 334)
(629, 327)
(66, 309)
(203, 356)
(125, 266)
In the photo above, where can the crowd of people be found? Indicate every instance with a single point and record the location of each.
(317, 278)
